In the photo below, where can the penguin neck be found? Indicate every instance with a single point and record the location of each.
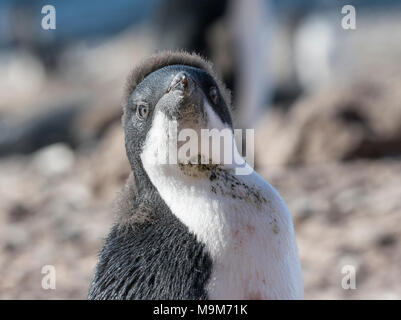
(145, 191)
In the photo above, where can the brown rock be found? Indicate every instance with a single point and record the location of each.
(337, 124)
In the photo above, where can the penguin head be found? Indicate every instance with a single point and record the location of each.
(172, 88)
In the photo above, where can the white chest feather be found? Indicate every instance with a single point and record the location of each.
(241, 220)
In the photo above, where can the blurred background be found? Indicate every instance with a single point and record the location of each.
(325, 103)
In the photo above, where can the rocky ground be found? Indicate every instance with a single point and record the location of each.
(344, 213)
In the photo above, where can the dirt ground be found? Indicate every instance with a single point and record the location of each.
(344, 214)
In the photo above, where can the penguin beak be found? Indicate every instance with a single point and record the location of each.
(183, 98)
(183, 83)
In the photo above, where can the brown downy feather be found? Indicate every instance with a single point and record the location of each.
(168, 58)
(127, 213)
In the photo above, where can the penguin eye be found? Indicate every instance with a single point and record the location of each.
(142, 111)
(214, 94)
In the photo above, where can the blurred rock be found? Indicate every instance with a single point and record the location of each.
(362, 120)
(54, 159)
(15, 238)
(386, 240)
(18, 212)
(22, 75)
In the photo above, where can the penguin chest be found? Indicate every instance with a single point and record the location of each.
(247, 231)
(246, 247)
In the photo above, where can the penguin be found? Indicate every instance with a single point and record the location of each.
(190, 229)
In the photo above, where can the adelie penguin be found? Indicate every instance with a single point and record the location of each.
(190, 230)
